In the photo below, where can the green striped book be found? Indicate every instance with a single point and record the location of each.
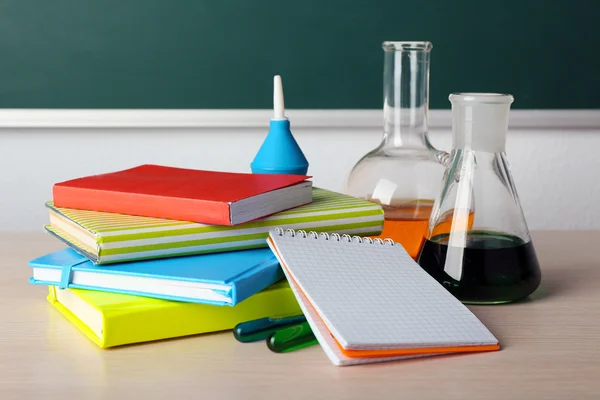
(110, 238)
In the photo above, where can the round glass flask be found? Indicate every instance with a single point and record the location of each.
(403, 173)
(478, 244)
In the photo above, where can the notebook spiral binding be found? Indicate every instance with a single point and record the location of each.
(333, 236)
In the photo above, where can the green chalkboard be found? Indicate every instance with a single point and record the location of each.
(192, 54)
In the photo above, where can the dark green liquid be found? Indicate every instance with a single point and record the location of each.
(495, 268)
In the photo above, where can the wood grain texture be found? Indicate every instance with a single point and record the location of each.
(550, 348)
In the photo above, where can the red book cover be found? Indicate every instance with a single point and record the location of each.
(168, 192)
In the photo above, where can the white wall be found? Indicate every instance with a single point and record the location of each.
(555, 170)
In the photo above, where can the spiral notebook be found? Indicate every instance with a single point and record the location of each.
(368, 301)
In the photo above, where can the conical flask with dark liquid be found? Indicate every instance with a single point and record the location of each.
(477, 243)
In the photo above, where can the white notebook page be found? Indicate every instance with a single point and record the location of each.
(327, 343)
(374, 295)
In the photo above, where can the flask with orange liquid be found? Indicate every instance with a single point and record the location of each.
(404, 172)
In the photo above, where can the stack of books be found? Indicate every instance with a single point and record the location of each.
(157, 252)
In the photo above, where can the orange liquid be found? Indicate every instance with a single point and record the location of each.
(407, 225)
(453, 223)
(410, 233)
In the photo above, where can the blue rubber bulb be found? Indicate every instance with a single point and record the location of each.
(279, 153)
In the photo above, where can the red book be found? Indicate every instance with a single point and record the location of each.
(210, 197)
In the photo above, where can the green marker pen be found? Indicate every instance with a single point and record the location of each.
(291, 338)
(260, 329)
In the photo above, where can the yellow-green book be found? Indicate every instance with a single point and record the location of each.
(108, 238)
(110, 319)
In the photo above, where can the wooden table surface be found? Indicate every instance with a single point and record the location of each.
(551, 347)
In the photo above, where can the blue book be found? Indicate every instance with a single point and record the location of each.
(220, 278)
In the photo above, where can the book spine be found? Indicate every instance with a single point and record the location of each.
(193, 210)
(255, 280)
(51, 294)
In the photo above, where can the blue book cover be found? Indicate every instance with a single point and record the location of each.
(220, 278)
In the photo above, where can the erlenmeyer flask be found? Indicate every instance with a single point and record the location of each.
(403, 173)
(478, 244)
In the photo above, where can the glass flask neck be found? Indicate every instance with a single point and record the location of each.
(480, 121)
(406, 94)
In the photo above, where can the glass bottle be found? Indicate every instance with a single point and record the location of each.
(478, 244)
(403, 173)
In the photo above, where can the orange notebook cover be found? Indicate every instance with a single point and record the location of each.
(209, 197)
